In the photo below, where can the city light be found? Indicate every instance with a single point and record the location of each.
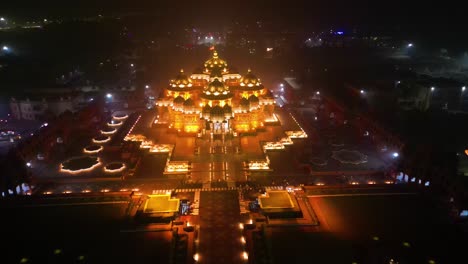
(147, 86)
(2, 19)
(282, 85)
(317, 93)
(432, 88)
(362, 91)
(5, 48)
(108, 96)
(463, 88)
(131, 65)
(28, 164)
(410, 45)
(395, 154)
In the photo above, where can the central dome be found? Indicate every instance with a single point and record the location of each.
(215, 62)
(216, 87)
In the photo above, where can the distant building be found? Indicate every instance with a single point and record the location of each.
(38, 108)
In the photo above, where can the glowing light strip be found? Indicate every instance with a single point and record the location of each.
(108, 132)
(123, 167)
(120, 117)
(80, 170)
(102, 141)
(272, 119)
(119, 123)
(93, 151)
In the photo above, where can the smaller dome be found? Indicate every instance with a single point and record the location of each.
(217, 113)
(189, 105)
(244, 104)
(181, 81)
(244, 101)
(206, 109)
(189, 102)
(253, 101)
(249, 80)
(227, 111)
(227, 108)
(178, 102)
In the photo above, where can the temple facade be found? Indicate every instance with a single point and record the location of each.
(215, 100)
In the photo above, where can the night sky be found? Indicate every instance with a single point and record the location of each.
(438, 23)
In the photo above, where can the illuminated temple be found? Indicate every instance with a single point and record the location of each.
(215, 100)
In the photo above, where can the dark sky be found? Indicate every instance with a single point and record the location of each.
(445, 20)
(378, 11)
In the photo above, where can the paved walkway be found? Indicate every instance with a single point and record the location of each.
(219, 228)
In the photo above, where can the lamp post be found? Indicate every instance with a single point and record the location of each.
(462, 93)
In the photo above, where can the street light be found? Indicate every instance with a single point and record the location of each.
(410, 45)
(5, 48)
(108, 96)
(362, 91)
(395, 154)
(463, 88)
(2, 19)
(317, 93)
(147, 86)
(432, 88)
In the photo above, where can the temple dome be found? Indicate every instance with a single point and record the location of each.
(216, 87)
(181, 81)
(215, 62)
(250, 80)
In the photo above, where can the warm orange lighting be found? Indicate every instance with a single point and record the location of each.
(114, 167)
(101, 139)
(160, 148)
(77, 171)
(108, 131)
(258, 165)
(177, 166)
(191, 128)
(466, 152)
(273, 146)
(93, 149)
(242, 240)
(120, 117)
(245, 256)
(114, 123)
(296, 134)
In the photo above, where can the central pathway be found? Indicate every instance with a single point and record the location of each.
(220, 236)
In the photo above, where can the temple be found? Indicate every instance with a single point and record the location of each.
(215, 100)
